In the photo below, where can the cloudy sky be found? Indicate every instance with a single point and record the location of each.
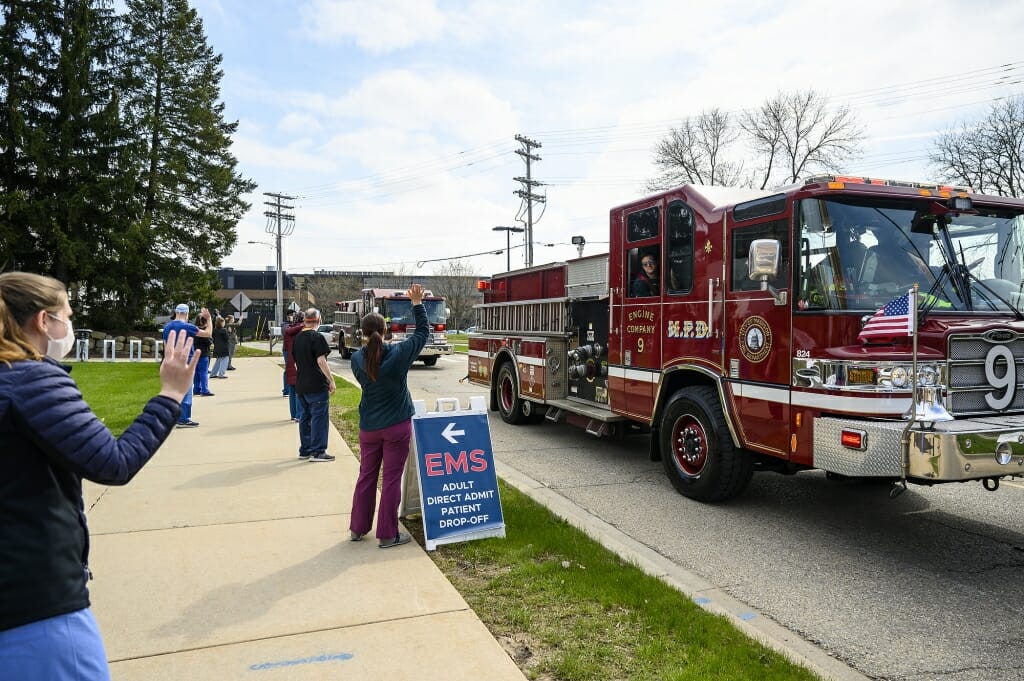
(393, 121)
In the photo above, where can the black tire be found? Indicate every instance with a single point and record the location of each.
(510, 406)
(343, 349)
(430, 361)
(697, 451)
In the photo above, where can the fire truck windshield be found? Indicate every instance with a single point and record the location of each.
(400, 311)
(858, 254)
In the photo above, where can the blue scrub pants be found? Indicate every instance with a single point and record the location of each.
(62, 648)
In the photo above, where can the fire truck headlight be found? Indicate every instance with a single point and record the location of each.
(927, 375)
(900, 377)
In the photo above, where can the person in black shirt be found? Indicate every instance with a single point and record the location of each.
(220, 349)
(201, 382)
(314, 384)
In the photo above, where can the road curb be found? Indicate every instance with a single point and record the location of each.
(703, 593)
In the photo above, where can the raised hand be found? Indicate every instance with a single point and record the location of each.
(176, 371)
(415, 293)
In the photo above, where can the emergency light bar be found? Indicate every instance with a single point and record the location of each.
(840, 182)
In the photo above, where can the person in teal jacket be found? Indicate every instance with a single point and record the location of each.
(385, 421)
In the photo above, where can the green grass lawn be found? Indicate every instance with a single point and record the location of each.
(565, 608)
(242, 351)
(459, 341)
(117, 391)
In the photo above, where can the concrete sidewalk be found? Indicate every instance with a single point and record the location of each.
(228, 558)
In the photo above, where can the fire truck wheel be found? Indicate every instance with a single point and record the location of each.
(430, 361)
(510, 406)
(697, 450)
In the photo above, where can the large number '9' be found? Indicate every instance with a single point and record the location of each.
(639, 344)
(1008, 380)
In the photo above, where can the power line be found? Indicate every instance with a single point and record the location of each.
(411, 178)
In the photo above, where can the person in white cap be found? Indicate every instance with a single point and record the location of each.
(180, 323)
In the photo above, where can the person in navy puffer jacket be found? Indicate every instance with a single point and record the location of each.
(49, 441)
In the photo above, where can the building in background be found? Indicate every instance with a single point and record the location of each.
(321, 288)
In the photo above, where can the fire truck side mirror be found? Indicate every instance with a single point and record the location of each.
(763, 264)
(763, 259)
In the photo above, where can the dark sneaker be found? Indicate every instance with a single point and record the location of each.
(231, 368)
(304, 456)
(402, 538)
(187, 424)
(322, 456)
(206, 394)
(355, 536)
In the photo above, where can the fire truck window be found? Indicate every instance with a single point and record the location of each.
(642, 224)
(644, 272)
(679, 228)
(741, 240)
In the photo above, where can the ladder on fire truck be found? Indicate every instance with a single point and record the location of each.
(546, 316)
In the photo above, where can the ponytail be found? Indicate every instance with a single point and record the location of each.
(372, 328)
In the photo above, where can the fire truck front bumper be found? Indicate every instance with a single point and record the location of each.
(963, 449)
(435, 349)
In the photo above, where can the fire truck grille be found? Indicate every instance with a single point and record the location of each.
(967, 382)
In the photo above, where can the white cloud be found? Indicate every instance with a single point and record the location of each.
(376, 26)
(253, 152)
(389, 104)
(458, 104)
(295, 122)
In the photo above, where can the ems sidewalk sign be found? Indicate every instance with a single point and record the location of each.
(455, 466)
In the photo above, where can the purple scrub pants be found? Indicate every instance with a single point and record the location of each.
(388, 447)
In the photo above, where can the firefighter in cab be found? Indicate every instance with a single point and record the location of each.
(645, 283)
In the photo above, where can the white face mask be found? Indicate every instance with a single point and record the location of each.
(58, 348)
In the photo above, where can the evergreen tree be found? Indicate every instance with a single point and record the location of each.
(190, 188)
(26, 55)
(66, 196)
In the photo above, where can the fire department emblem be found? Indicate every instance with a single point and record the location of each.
(755, 339)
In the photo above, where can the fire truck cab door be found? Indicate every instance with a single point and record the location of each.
(635, 341)
(757, 339)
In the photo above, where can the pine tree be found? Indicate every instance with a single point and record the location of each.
(26, 55)
(191, 191)
(66, 196)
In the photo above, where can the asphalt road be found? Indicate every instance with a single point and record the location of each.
(924, 586)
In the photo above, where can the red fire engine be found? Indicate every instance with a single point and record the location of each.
(730, 323)
(396, 307)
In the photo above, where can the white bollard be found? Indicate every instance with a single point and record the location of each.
(157, 347)
(109, 343)
(134, 345)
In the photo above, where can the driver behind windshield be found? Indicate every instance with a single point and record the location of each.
(893, 265)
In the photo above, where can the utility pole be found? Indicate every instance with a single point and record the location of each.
(279, 224)
(526, 193)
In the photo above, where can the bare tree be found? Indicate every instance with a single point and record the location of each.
(987, 155)
(694, 153)
(400, 278)
(328, 289)
(798, 133)
(456, 281)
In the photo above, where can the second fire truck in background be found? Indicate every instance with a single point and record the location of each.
(396, 308)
